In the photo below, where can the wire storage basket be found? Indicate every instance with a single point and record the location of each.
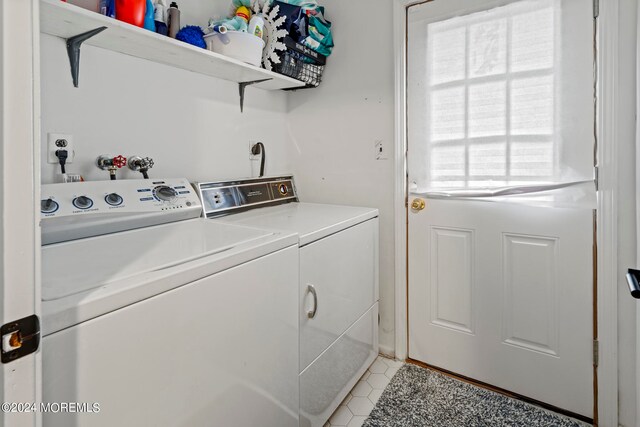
(301, 63)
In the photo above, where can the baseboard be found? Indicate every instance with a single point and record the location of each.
(387, 351)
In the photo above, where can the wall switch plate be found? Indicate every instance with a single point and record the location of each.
(381, 150)
(58, 141)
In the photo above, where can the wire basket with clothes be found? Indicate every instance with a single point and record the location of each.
(301, 63)
(309, 41)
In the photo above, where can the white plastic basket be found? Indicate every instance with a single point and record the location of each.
(238, 45)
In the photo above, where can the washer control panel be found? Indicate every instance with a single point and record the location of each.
(82, 209)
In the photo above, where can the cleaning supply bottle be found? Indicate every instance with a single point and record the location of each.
(111, 8)
(244, 13)
(174, 19)
(131, 11)
(256, 26)
(149, 13)
(159, 18)
(103, 6)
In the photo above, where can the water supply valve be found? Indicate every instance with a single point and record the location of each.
(141, 164)
(111, 164)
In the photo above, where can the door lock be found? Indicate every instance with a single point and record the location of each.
(19, 338)
(418, 204)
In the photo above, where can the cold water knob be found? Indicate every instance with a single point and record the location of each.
(140, 164)
(113, 199)
(165, 193)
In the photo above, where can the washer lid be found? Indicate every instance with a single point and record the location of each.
(78, 266)
(310, 220)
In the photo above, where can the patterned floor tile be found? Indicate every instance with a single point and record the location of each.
(378, 381)
(356, 421)
(367, 391)
(362, 389)
(341, 417)
(360, 406)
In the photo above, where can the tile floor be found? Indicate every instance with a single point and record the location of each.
(358, 404)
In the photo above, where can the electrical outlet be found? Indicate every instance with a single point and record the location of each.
(251, 155)
(380, 150)
(59, 141)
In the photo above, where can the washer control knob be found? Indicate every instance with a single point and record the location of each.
(165, 193)
(48, 206)
(113, 199)
(82, 202)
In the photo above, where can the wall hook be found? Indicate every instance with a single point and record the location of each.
(242, 86)
(73, 49)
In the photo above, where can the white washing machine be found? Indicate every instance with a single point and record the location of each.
(338, 286)
(180, 324)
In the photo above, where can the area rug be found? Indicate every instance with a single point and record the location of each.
(419, 397)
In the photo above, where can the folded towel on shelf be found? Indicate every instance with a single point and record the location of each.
(320, 38)
(307, 25)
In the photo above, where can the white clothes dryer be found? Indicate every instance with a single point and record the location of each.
(338, 283)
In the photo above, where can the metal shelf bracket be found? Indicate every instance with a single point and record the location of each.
(73, 49)
(242, 86)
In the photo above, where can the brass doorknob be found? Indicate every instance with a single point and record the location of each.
(418, 204)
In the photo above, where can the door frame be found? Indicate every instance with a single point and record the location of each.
(606, 235)
(20, 196)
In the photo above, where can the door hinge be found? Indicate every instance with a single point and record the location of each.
(596, 8)
(596, 177)
(596, 353)
(20, 338)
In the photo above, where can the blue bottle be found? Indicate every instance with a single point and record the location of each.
(149, 22)
(111, 8)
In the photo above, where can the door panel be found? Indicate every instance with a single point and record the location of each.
(500, 146)
(512, 309)
(530, 267)
(452, 278)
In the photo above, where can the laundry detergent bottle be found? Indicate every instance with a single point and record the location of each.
(131, 11)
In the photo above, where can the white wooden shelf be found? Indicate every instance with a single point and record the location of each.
(65, 20)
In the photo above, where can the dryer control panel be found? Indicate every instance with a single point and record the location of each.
(226, 197)
(84, 209)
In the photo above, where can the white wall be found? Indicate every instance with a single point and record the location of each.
(189, 123)
(334, 128)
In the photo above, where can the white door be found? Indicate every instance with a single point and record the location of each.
(19, 201)
(500, 150)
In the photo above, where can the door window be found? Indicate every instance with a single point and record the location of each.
(487, 96)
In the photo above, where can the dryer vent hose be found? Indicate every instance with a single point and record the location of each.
(258, 148)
